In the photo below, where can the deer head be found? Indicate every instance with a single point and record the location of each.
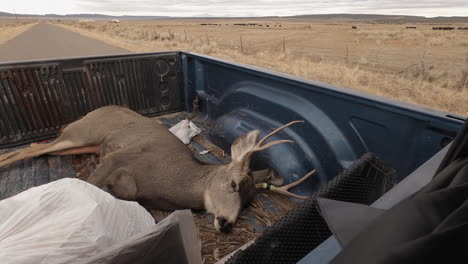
(233, 186)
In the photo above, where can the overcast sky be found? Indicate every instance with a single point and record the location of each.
(233, 8)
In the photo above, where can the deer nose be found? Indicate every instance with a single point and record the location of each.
(225, 226)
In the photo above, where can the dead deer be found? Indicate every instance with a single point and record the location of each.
(144, 162)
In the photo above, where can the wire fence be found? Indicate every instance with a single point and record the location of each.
(302, 44)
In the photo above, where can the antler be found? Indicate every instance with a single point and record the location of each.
(285, 189)
(258, 146)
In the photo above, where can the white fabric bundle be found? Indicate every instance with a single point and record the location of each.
(185, 130)
(66, 221)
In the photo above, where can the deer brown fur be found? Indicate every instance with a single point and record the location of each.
(143, 161)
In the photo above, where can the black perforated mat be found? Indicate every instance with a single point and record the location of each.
(303, 228)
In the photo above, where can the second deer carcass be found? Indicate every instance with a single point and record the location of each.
(144, 162)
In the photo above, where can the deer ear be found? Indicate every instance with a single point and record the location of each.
(268, 176)
(243, 145)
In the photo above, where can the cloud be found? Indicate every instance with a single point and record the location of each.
(242, 7)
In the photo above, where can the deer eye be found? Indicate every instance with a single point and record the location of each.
(233, 184)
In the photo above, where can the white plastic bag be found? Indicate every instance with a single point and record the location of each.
(66, 221)
(185, 130)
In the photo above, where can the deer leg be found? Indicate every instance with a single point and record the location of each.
(77, 151)
(36, 150)
(10, 154)
(16, 152)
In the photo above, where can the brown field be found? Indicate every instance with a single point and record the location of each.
(10, 29)
(420, 66)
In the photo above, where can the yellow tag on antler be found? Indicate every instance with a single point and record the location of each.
(268, 186)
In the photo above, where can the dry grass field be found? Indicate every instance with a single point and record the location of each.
(420, 66)
(10, 29)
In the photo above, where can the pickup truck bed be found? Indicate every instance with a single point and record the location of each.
(38, 97)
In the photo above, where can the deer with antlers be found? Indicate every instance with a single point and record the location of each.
(144, 162)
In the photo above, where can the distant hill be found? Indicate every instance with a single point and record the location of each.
(359, 16)
(91, 16)
(386, 18)
(370, 18)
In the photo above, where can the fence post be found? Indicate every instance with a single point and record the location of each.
(284, 46)
(465, 82)
(347, 55)
(241, 45)
(465, 72)
(17, 21)
(185, 33)
(207, 38)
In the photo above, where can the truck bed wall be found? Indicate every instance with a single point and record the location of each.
(340, 124)
(38, 97)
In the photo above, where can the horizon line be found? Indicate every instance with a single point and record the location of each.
(211, 16)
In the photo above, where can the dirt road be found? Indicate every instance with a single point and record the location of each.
(45, 41)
